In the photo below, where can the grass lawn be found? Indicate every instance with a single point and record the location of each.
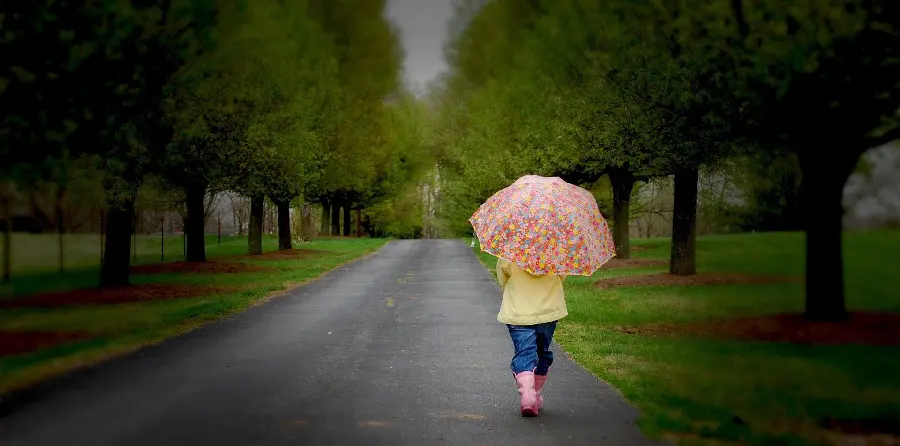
(113, 329)
(713, 390)
(36, 268)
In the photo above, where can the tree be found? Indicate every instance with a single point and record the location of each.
(253, 114)
(483, 144)
(612, 133)
(301, 131)
(686, 105)
(395, 192)
(368, 60)
(98, 90)
(41, 109)
(582, 89)
(769, 182)
(549, 79)
(812, 76)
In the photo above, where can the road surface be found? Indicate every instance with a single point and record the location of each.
(400, 348)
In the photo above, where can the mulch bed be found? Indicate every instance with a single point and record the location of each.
(198, 268)
(882, 425)
(286, 254)
(115, 295)
(19, 342)
(861, 328)
(666, 279)
(633, 263)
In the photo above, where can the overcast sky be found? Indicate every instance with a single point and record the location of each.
(423, 29)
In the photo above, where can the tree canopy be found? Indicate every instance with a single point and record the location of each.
(300, 101)
(274, 100)
(635, 89)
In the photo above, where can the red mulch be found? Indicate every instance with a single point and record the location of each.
(285, 254)
(666, 279)
(861, 328)
(197, 268)
(633, 263)
(881, 425)
(114, 295)
(18, 342)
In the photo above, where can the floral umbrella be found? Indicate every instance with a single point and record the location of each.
(545, 226)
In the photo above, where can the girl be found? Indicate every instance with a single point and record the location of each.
(530, 309)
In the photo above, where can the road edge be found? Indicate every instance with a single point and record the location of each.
(17, 398)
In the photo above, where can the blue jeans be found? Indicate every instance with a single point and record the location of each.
(532, 345)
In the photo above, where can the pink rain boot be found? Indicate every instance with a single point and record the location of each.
(525, 381)
(539, 381)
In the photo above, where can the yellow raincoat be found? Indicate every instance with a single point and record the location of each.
(528, 299)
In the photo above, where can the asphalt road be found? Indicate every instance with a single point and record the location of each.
(400, 348)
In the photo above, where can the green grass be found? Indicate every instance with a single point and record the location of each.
(34, 253)
(118, 328)
(35, 258)
(706, 391)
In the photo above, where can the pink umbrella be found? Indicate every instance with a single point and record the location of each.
(545, 226)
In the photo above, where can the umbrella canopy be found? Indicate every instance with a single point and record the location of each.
(545, 226)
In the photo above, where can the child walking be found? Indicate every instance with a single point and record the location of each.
(549, 229)
(530, 309)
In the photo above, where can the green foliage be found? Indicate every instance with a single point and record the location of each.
(251, 114)
(571, 89)
(578, 88)
(575, 87)
(399, 216)
(90, 85)
(368, 61)
(403, 159)
(275, 98)
(812, 74)
(770, 185)
(254, 98)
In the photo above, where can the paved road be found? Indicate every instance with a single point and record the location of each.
(401, 348)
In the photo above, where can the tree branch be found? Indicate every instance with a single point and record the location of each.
(743, 28)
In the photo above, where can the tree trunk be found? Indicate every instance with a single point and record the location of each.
(789, 192)
(273, 219)
(7, 239)
(61, 227)
(335, 218)
(821, 195)
(234, 217)
(307, 227)
(255, 226)
(116, 267)
(265, 217)
(102, 234)
(284, 224)
(326, 214)
(347, 219)
(622, 182)
(194, 225)
(358, 222)
(684, 223)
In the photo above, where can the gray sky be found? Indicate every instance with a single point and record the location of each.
(423, 29)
